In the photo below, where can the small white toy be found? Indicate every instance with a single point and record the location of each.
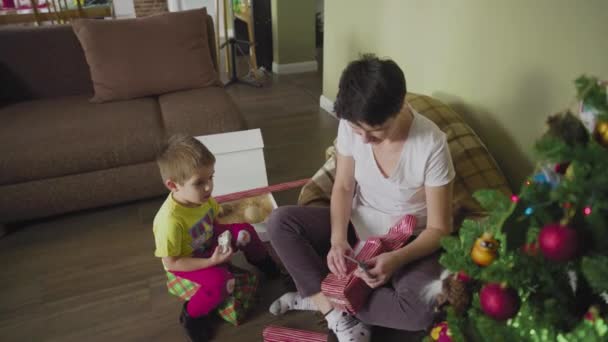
(224, 241)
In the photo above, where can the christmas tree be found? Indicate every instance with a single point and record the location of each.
(536, 268)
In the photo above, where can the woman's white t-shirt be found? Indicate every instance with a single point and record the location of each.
(380, 202)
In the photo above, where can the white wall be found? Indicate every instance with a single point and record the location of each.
(181, 5)
(124, 9)
(505, 65)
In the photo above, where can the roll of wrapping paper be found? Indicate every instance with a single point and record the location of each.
(262, 190)
(273, 333)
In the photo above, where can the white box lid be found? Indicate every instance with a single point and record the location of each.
(233, 141)
(240, 163)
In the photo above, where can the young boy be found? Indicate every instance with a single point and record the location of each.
(186, 232)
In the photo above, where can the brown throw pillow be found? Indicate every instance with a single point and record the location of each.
(154, 55)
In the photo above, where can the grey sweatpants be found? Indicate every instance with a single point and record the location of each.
(301, 238)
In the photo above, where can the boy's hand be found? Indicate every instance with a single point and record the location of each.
(219, 258)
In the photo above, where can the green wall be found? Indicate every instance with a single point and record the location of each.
(293, 31)
(504, 65)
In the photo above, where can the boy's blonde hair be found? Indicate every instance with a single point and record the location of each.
(181, 156)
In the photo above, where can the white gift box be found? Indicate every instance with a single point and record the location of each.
(239, 165)
(239, 162)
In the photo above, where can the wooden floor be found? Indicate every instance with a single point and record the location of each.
(91, 276)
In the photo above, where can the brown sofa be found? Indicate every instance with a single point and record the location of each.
(61, 153)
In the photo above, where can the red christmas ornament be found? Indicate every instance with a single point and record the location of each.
(557, 242)
(530, 248)
(463, 277)
(592, 314)
(445, 337)
(561, 167)
(441, 332)
(587, 211)
(498, 301)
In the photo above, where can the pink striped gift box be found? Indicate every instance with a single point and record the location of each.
(273, 333)
(350, 293)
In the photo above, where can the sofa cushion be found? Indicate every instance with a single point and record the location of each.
(147, 56)
(41, 61)
(67, 135)
(200, 111)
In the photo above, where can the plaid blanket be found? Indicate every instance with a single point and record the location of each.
(475, 167)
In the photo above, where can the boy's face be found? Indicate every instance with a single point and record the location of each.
(196, 190)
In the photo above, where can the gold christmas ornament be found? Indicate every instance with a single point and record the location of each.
(570, 172)
(484, 250)
(601, 133)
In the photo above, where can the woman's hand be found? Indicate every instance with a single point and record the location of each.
(219, 258)
(381, 269)
(335, 258)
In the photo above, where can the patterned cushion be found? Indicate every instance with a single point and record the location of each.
(475, 167)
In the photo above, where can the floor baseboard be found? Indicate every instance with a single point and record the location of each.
(294, 68)
(328, 105)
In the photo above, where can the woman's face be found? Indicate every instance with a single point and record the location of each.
(373, 134)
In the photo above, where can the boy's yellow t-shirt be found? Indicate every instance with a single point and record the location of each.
(181, 231)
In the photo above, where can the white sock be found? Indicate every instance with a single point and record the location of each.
(291, 301)
(347, 328)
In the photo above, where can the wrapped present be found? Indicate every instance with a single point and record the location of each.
(350, 293)
(234, 309)
(273, 333)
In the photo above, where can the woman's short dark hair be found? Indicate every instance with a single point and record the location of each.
(371, 91)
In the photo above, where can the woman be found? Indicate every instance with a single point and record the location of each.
(391, 161)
